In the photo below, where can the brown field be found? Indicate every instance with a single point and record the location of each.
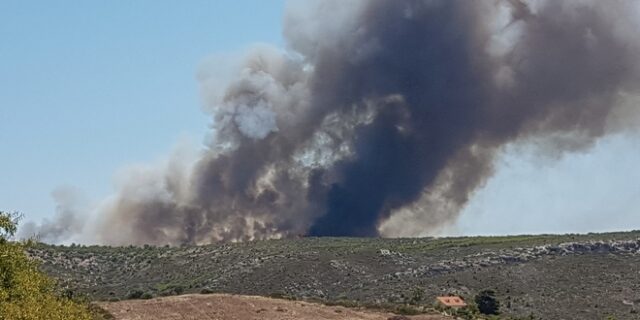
(236, 307)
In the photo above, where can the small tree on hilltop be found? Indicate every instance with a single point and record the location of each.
(487, 302)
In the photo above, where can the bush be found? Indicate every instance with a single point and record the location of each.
(417, 296)
(172, 290)
(135, 294)
(465, 313)
(25, 293)
(146, 296)
(408, 310)
(487, 302)
(206, 291)
(178, 290)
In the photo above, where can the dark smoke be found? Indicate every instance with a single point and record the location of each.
(381, 107)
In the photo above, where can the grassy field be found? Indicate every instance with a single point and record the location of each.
(590, 276)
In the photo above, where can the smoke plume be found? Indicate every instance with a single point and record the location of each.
(380, 111)
(67, 222)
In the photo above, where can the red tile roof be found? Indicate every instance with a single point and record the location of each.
(452, 301)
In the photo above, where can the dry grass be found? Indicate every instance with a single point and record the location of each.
(223, 306)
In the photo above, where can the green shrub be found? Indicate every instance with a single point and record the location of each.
(408, 310)
(206, 291)
(171, 290)
(178, 290)
(26, 293)
(134, 294)
(416, 296)
(487, 303)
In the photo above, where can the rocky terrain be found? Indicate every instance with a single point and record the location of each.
(591, 276)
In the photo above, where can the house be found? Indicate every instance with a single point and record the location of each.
(451, 302)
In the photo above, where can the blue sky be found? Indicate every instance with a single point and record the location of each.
(594, 190)
(87, 87)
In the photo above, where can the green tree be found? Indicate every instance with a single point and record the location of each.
(8, 225)
(25, 292)
(487, 302)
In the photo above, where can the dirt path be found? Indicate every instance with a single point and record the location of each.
(235, 307)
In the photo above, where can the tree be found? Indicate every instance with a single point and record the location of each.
(25, 292)
(487, 302)
(8, 225)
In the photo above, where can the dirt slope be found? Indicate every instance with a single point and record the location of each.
(236, 307)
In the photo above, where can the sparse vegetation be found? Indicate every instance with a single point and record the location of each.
(418, 296)
(534, 276)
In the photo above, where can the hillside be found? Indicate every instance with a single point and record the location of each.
(589, 276)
